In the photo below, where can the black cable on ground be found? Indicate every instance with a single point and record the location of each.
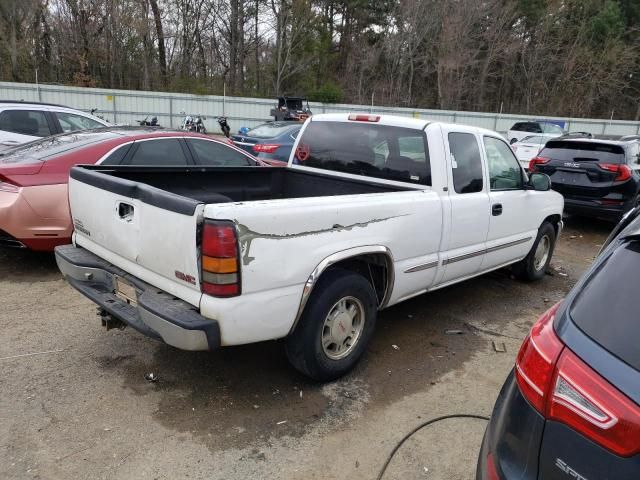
(420, 427)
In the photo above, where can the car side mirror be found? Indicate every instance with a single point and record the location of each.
(540, 182)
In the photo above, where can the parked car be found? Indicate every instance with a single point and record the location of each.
(528, 148)
(269, 141)
(571, 406)
(22, 122)
(520, 130)
(598, 176)
(309, 252)
(34, 210)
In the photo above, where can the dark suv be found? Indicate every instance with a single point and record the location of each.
(598, 176)
(570, 409)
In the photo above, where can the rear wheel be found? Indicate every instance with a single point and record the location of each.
(535, 264)
(335, 327)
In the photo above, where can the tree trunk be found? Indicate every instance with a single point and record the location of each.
(162, 55)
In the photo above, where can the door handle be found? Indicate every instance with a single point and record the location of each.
(496, 209)
(125, 211)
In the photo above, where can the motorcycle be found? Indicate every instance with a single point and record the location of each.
(193, 124)
(147, 123)
(224, 126)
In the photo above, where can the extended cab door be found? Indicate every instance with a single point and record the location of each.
(513, 225)
(469, 205)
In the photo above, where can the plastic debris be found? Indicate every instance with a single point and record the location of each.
(499, 347)
(281, 422)
(454, 332)
(256, 406)
(151, 377)
(395, 347)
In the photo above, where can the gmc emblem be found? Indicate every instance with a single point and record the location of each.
(185, 278)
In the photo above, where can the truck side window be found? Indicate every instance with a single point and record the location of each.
(505, 172)
(467, 163)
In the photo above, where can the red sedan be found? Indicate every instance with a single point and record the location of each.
(34, 210)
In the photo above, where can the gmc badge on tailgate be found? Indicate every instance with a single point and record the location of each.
(185, 278)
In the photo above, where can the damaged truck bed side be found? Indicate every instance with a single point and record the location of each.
(371, 210)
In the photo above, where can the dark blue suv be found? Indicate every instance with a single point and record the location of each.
(570, 409)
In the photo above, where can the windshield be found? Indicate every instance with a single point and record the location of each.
(270, 130)
(43, 149)
(583, 151)
(605, 309)
(365, 148)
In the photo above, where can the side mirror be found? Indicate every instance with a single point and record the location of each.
(540, 182)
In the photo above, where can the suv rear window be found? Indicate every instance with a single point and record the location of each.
(583, 151)
(369, 149)
(606, 309)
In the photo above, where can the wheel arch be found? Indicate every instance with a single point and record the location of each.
(373, 262)
(556, 221)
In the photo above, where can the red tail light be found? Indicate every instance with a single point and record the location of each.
(265, 147)
(364, 118)
(563, 388)
(537, 161)
(219, 262)
(623, 171)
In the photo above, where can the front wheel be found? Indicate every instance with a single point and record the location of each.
(535, 264)
(335, 328)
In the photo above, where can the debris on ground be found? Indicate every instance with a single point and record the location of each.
(546, 300)
(151, 377)
(256, 406)
(499, 347)
(395, 347)
(281, 422)
(300, 393)
(453, 332)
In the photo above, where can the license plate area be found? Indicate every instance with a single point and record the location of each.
(125, 291)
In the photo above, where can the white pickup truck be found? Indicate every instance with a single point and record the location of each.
(371, 210)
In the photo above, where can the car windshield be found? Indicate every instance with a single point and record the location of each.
(605, 308)
(583, 151)
(270, 130)
(43, 149)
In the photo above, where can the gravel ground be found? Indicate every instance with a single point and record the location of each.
(83, 409)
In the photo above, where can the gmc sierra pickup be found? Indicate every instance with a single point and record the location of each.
(371, 210)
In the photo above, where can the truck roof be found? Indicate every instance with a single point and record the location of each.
(399, 121)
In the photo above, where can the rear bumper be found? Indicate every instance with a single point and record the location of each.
(591, 208)
(157, 314)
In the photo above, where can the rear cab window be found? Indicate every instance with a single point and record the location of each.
(576, 151)
(605, 309)
(370, 149)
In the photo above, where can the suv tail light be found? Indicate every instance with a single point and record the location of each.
(623, 171)
(265, 147)
(563, 388)
(537, 161)
(220, 266)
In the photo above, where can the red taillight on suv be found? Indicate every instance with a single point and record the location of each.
(537, 161)
(623, 171)
(563, 388)
(265, 147)
(220, 267)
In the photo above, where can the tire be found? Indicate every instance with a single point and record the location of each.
(531, 268)
(325, 353)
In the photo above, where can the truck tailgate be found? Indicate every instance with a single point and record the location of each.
(148, 232)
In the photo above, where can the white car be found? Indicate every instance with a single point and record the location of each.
(521, 130)
(528, 148)
(371, 210)
(22, 122)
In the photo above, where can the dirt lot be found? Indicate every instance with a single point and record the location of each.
(85, 410)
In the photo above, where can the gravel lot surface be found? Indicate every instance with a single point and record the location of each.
(84, 409)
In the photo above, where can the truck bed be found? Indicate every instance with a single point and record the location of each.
(191, 186)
